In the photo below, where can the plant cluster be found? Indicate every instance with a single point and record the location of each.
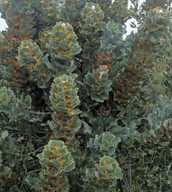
(79, 106)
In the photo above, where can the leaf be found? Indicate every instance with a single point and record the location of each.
(87, 128)
(118, 173)
(4, 134)
(152, 132)
(31, 180)
(154, 169)
(169, 167)
(28, 100)
(136, 136)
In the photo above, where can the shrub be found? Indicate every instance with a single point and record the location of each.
(78, 110)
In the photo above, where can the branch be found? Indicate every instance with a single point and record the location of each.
(79, 82)
(37, 150)
(10, 128)
(34, 171)
(41, 113)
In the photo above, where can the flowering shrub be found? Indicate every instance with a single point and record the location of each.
(79, 109)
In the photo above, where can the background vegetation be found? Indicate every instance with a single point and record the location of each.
(82, 109)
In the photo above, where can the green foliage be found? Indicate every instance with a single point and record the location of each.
(97, 84)
(13, 161)
(80, 109)
(62, 43)
(55, 161)
(161, 111)
(64, 100)
(168, 70)
(91, 23)
(55, 155)
(31, 57)
(71, 11)
(13, 107)
(104, 176)
(106, 143)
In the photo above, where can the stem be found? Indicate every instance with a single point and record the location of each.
(130, 177)
(126, 182)
(11, 129)
(79, 82)
(160, 187)
(41, 113)
(34, 171)
(37, 150)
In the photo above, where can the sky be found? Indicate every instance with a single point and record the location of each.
(3, 24)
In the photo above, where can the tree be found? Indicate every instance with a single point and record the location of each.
(77, 106)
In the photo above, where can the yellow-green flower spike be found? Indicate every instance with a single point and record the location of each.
(64, 100)
(105, 173)
(63, 95)
(71, 11)
(92, 17)
(49, 11)
(64, 125)
(63, 43)
(29, 55)
(97, 84)
(105, 6)
(44, 35)
(58, 183)
(91, 23)
(105, 144)
(55, 161)
(109, 170)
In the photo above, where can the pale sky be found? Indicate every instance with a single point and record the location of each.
(3, 24)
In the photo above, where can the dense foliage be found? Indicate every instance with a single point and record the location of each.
(82, 108)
